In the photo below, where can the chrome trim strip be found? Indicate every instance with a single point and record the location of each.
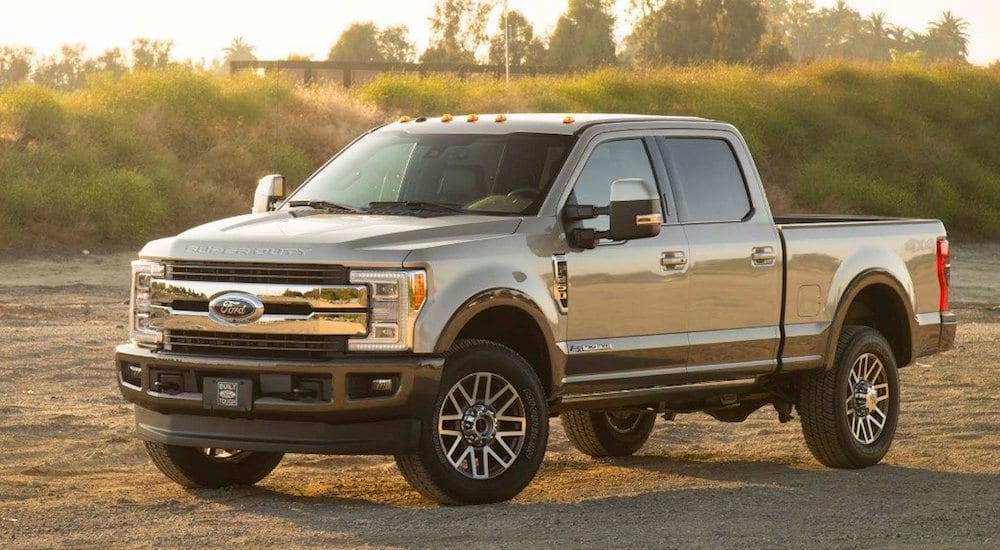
(924, 319)
(795, 330)
(328, 324)
(165, 291)
(723, 367)
(659, 390)
(801, 359)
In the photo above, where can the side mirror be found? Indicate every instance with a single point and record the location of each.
(270, 190)
(634, 211)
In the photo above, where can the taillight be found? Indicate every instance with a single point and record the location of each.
(943, 272)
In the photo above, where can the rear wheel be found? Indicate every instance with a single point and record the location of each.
(211, 467)
(608, 433)
(485, 437)
(849, 413)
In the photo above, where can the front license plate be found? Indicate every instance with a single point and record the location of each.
(230, 394)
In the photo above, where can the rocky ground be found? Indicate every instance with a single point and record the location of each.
(72, 475)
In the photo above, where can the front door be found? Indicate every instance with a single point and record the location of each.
(627, 301)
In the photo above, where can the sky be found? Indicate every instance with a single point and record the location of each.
(201, 28)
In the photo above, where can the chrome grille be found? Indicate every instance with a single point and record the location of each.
(228, 272)
(278, 346)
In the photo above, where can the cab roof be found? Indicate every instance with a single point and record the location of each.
(545, 123)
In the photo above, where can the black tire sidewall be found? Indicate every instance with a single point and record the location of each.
(622, 442)
(487, 357)
(867, 341)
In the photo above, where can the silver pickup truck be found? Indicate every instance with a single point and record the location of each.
(443, 286)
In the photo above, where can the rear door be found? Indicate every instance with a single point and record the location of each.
(627, 301)
(734, 286)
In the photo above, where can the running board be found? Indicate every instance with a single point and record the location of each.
(653, 395)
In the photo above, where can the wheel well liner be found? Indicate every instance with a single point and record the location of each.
(511, 318)
(876, 299)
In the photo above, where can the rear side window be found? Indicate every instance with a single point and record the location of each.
(706, 175)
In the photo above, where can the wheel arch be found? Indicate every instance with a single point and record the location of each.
(875, 298)
(506, 316)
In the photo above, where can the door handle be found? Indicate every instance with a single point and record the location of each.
(673, 260)
(762, 256)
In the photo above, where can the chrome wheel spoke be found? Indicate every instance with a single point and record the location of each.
(868, 398)
(483, 430)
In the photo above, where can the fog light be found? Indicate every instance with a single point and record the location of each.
(132, 374)
(381, 385)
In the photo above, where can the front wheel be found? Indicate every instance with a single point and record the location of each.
(209, 467)
(484, 439)
(849, 412)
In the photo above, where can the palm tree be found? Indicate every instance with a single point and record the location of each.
(948, 38)
(239, 50)
(875, 37)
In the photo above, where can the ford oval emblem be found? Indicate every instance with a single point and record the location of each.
(235, 308)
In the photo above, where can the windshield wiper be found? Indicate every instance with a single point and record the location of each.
(325, 205)
(419, 205)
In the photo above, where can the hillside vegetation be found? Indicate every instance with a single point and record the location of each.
(149, 154)
(124, 160)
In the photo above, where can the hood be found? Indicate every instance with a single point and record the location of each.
(349, 239)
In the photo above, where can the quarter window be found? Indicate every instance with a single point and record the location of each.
(610, 161)
(706, 175)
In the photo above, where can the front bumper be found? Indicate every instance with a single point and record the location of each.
(340, 421)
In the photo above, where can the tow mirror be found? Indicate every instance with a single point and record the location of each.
(270, 190)
(634, 212)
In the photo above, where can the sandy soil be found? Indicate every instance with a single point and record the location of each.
(71, 474)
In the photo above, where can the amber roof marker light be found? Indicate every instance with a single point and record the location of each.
(473, 117)
(447, 118)
(501, 118)
(404, 119)
(568, 120)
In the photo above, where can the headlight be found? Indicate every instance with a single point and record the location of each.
(143, 273)
(396, 298)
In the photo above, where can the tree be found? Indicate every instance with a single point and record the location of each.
(239, 50)
(584, 35)
(524, 47)
(151, 54)
(15, 65)
(694, 31)
(66, 70)
(358, 42)
(395, 46)
(458, 30)
(111, 61)
(947, 39)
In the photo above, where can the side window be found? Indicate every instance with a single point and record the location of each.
(706, 174)
(610, 161)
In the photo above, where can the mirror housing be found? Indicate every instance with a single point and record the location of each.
(634, 211)
(270, 190)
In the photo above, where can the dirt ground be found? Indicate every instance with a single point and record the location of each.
(71, 475)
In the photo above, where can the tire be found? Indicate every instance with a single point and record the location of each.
(444, 469)
(607, 433)
(196, 467)
(839, 427)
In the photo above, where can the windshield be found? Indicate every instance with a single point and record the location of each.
(493, 174)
